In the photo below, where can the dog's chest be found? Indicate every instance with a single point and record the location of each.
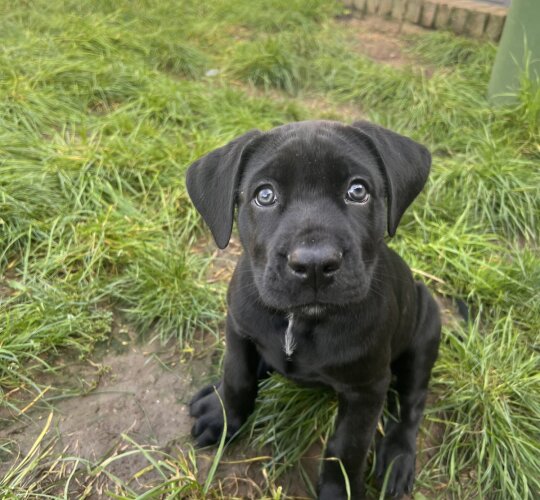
(307, 356)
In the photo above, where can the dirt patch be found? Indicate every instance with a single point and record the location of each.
(6, 282)
(140, 390)
(384, 41)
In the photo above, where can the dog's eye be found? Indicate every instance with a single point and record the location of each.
(265, 196)
(357, 193)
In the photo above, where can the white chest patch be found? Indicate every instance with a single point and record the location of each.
(289, 343)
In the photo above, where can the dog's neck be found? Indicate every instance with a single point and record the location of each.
(299, 321)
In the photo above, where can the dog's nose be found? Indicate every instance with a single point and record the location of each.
(315, 264)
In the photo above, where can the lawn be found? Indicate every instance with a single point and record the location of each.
(103, 106)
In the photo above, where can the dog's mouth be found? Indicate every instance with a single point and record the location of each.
(308, 302)
(313, 310)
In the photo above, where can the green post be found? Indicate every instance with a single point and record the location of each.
(519, 51)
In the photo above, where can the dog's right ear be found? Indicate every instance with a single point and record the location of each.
(212, 182)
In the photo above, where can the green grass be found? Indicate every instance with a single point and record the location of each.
(103, 105)
(490, 410)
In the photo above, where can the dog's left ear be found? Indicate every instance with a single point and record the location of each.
(404, 163)
(212, 182)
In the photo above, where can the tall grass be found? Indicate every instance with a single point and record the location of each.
(489, 378)
(104, 104)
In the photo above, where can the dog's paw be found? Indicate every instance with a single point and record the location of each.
(397, 461)
(206, 407)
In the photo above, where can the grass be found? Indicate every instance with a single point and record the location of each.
(163, 475)
(488, 379)
(104, 105)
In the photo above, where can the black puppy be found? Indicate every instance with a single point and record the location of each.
(317, 295)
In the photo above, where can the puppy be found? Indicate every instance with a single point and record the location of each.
(317, 295)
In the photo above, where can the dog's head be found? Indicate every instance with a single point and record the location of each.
(314, 199)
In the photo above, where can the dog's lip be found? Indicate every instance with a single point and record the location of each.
(311, 309)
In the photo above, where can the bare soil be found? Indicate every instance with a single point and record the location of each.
(384, 41)
(138, 389)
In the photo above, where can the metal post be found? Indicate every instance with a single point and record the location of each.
(518, 53)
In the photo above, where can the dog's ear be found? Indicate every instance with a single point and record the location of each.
(212, 182)
(405, 165)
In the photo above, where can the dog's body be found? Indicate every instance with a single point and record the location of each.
(317, 294)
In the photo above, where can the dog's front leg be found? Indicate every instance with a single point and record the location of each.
(237, 391)
(345, 454)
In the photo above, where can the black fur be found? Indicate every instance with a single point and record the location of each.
(315, 264)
